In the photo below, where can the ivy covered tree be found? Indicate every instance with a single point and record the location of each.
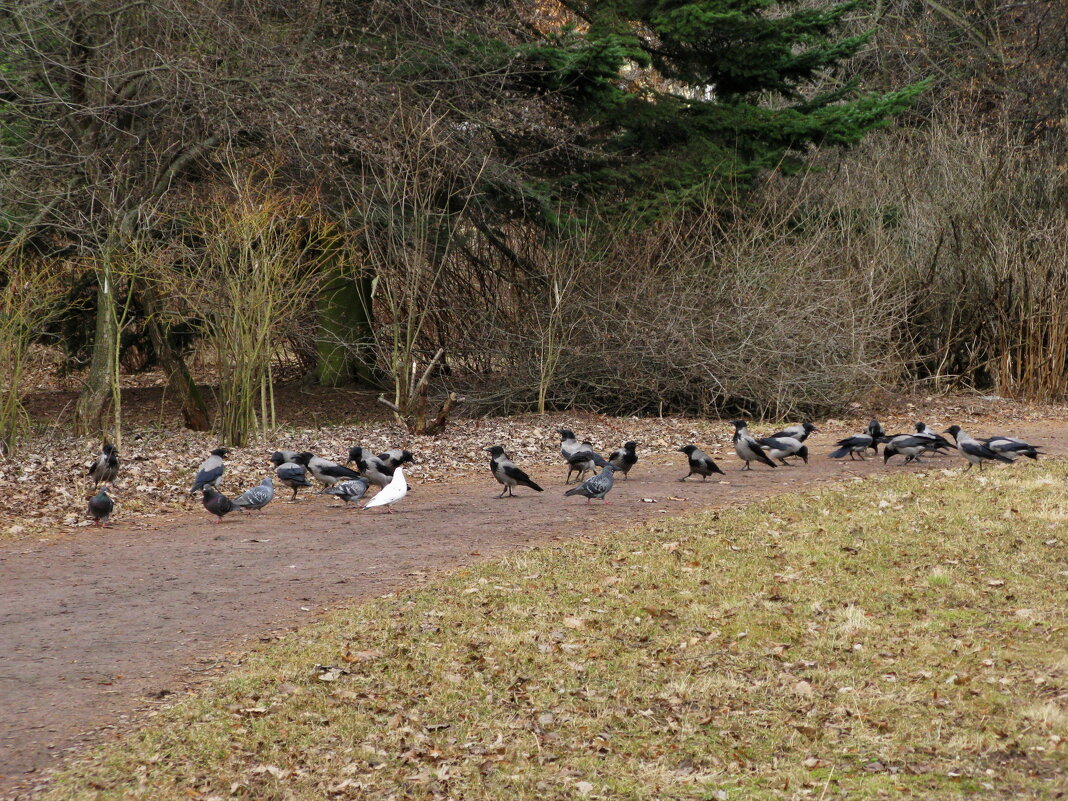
(683, 96)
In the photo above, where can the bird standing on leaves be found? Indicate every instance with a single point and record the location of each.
(106, 467)
(596, 486)
(101, 507)
(506, 472)
(391, 493)
(290, 470)
(625, 458)
(701, 464)
(373, 468)
(257, 497)
(746, 446)
(973, 450)
(210, 471)
(217, 503)
(348, 491)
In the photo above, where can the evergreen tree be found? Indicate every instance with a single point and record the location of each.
(687, 96)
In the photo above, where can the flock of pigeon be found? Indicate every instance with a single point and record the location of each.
(386, 471)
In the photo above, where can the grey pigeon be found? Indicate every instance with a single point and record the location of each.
(348, 491)
(1011, 447)
(701, 464)
(290, 471)
(217, 503)
(210, 471)
(506, 472)
(746, 446)
(855, 445)
(973, 450)
(596, 486)
(257, 497)
(373, 468)
(907, 445)
(326, 472)
(798, 431)
(106, 467)
(781, 447)
(101, 507)
(625, 458)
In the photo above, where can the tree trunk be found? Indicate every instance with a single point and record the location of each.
(92, 403)
(345, 340)
(179, 382)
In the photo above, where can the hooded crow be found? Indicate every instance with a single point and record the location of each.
(372, 467)
(326, 472)
(877, 432)
(798, 431)
(907, 445)
(101, 507)
(395, 457)
(596, 486)
(106, 467)
(701, 464)
(391, 493)
(348, 491)
(506, 472)
(217, 503)
(292, 472)
(973, 450)
(210, 471)
(746, 446)
(780, 447)
(625, 458)
(1011, 447)
(854, 445)
(583, 461)
(257, 497)
(569, 445)
(938, 442)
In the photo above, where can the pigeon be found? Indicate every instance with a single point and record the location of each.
(106, 467)
(701, 463)
(625, 458)
(326, 472)
(780, 447)
(348, 491)
(854, 446)
(291, 471)
(101, 507)
(907, 445)
(596, 486)
(938, 442)
(391, 493)
(506, 473)
(257, 497)
(377, 471)
(217, 503)
(395, 457)
(1011, 447)
(210, 471)
(747, 448)
(582, 461)
(973, 450)
(798, 431)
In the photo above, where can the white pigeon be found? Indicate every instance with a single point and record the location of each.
(391, 493)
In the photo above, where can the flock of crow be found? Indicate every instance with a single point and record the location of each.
(386, 471)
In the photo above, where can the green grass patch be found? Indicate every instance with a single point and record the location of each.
(896, 638)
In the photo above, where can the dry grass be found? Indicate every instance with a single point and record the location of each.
(900, 638)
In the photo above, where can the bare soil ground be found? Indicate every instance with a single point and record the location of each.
(97, 624)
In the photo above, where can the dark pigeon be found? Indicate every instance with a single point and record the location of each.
(217, 503)
(101, 507)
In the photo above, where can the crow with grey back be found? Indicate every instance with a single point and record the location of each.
(596, 486)
(746, 446)
(395, 457)
(973, 450)
(210, 471)
(326, 472)
(106, 467)
(293, 472)
(1011, 447)
(701, 464)
(625, 458)
(373, 468)
(780, 448)
(906, 445)
(854, 446)
(506, 472)
(582, 461)
(798, 431)
(257, 497)
(938, 442)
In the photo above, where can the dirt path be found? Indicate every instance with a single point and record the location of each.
(95, 625)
